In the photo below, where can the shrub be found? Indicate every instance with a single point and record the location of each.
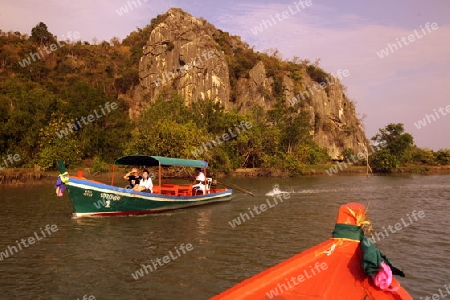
(316, 74)
(99, 166)
(443, 157)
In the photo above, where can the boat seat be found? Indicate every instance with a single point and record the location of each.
(185, 190)
(208, 185)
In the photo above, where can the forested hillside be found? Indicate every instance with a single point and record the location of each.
(39, 101)
(83, 101)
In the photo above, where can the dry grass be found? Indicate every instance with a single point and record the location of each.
(21, 176)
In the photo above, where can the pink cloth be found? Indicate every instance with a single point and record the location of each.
(383, 279)
(58, 192)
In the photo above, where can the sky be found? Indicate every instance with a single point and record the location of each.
(407, 85)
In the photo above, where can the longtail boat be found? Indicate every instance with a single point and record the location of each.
(92, 198)
(345, 267)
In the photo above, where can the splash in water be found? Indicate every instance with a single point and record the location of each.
(275, 191)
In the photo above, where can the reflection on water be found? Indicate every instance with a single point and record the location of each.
(204, 222)
(96, 256)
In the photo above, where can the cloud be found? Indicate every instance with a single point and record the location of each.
(398, 88)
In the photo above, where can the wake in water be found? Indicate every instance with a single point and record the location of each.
(276, 191)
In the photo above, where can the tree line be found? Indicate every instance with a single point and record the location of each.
(45, 97)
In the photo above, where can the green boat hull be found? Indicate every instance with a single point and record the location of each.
(95, 199)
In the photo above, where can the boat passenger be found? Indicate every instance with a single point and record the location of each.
(145, 183)
(199, 183)
(133, 177)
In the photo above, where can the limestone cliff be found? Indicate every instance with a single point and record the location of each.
(189, 55)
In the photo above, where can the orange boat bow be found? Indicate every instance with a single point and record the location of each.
(331, 270)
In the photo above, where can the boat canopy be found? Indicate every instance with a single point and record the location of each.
(151, 161)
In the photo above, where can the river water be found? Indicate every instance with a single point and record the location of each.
(97, 256)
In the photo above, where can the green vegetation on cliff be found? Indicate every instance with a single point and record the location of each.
(47, 96)
(44, 105)
(198, 132)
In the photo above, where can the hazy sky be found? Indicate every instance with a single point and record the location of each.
(401, 87)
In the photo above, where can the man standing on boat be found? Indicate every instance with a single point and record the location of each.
(199, 183)
(133, 177)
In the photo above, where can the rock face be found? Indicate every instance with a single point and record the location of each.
(332, 114)
(182, 55)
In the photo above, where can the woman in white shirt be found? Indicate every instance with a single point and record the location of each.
(145, 184)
